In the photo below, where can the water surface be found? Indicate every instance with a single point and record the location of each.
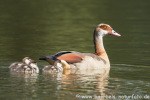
(37, 28)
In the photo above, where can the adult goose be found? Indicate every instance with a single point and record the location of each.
(98, 59)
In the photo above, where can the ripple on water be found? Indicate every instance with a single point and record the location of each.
(122, 80)
(128, 80)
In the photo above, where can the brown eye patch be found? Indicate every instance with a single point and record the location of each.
(105, 27)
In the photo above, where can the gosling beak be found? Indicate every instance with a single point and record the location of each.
(114, 33)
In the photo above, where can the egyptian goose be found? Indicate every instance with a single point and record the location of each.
(78, 60)
(26, 66)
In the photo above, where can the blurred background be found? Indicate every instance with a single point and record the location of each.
(41, 27)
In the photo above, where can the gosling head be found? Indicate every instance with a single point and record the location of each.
(28, 61)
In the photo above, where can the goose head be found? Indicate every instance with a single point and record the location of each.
(105, 29)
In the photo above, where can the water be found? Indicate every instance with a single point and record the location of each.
(37, 28)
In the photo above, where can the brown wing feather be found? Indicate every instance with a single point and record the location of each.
(71, 57)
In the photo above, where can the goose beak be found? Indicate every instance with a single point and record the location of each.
(115, 33)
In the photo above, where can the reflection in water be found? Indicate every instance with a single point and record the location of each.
(81, 82)
(28, 77)
(25, 85)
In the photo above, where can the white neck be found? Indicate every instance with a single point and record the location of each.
(99, 40)
(99, 46)
(98, 43)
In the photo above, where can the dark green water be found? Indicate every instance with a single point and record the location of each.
(39, 27)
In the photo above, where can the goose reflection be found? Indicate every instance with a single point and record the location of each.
(92, 82)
